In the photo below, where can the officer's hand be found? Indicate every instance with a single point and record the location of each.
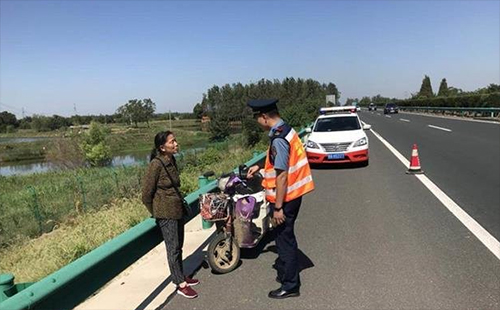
(252, 170)
(279, 216)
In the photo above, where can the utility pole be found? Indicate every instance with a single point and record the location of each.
(23, 113)
(74, 108)
(170, 119)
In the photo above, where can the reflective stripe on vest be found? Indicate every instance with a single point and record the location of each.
(300, 180)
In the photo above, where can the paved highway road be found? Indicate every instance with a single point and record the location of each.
(461, 157)
(377, 238)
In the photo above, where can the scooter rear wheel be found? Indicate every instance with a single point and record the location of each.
(223, 253)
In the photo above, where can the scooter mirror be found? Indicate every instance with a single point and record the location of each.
(243, 169)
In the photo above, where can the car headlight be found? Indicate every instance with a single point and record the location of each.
(361, 142)
(312, 144)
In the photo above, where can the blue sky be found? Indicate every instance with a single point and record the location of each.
(96, 55)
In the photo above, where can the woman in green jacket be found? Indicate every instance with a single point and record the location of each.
(161, 195)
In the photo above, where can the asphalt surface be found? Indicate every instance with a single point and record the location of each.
(464, 163)
(370, 238)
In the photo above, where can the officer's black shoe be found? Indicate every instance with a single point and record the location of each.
(280, 294)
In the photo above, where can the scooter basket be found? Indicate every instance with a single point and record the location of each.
(214, 206)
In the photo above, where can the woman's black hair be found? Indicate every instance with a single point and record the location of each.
(160, 139)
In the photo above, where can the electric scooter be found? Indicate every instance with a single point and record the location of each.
(241, 214)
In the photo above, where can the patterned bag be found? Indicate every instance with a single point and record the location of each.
(214, 206)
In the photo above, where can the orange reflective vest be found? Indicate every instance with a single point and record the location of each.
(300, 180)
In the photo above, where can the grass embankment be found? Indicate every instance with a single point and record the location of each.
(79, 231)
(123, 139)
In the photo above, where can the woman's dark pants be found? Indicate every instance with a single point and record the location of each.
(173, 235)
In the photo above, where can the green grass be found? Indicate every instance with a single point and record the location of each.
(32, 260)
(34, 204)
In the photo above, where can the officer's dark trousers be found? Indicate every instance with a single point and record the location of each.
(287, 263)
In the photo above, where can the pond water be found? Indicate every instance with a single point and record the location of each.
(36, 167)
(21, 140)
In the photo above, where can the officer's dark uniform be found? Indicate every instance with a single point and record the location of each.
(286, 243)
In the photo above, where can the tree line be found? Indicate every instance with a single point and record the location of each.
(447, 96)
(299, 101)
(133, 112)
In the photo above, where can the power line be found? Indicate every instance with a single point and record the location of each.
(14, 109)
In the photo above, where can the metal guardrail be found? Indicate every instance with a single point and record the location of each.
(72, 284)
(493, 112)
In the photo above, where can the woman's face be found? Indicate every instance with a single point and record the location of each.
(171, 146)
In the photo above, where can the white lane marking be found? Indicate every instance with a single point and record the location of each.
(440, 128)
(404, 120)
(388, 116)
(378, 114)
(482, 234)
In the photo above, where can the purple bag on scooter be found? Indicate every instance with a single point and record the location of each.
(244, 228)
(244, 207)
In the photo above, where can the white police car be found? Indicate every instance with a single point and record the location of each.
(337, 136)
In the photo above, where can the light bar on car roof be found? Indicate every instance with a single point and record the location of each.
(333, 110)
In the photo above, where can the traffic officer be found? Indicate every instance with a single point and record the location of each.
(287, 177)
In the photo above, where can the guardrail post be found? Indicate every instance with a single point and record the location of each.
(6, 283)
(202, 181)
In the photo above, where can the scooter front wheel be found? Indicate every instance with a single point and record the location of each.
(223, 253)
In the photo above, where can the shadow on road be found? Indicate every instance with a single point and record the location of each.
(339, 166)
(304, 261)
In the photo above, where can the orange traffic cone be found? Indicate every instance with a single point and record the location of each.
(414, 162)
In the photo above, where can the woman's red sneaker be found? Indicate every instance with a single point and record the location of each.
(191, 282)
(187, 292)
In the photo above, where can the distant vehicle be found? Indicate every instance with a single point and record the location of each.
(357, 107)
(391, 108)
(337, 136)
(372, 107)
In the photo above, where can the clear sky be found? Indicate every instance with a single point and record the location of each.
(96, 55)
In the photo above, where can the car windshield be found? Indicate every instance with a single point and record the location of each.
(337, 124)
(391, 105)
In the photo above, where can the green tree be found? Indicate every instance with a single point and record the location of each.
(251, 132)
(443, 88)
(198, 111)
(148, 109)
(426, 88)
(7, 120)
(219, 127)
(331, 89)
(40, 123)
(453, 91)
(97, 151)
(135, 111)
(493, 88)
(365, 101)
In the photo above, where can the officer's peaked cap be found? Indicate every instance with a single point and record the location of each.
(263, 105)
